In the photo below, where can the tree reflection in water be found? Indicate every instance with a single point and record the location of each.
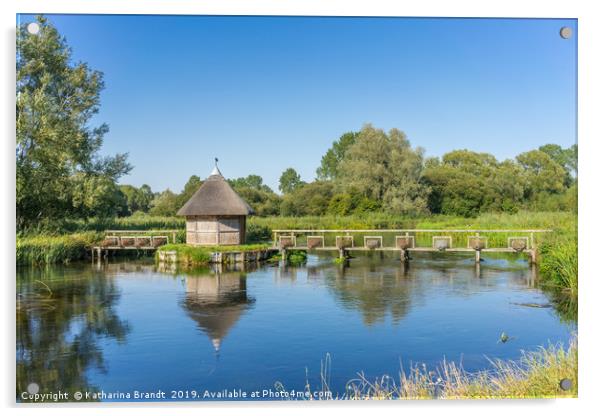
(375, 291)
(60, 320)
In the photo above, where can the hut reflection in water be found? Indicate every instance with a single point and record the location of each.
(216, 301)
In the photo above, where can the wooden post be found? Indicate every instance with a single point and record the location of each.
(477, 254)
(342, 253)
(533, 249)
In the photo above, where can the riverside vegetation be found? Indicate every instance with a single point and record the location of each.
(537, 374)
(558, 259)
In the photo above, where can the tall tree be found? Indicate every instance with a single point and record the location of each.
(384, 168)
(329, 166)
(193, 185)
(57, 150)
(542, 173)
(165, 204)
(289, 181)
(567, 158)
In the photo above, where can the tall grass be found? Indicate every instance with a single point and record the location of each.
(559, 264)
(536, 374)
(36, 250)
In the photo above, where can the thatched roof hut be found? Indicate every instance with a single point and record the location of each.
(215, 214)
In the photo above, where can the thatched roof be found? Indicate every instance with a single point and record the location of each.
(215, 197)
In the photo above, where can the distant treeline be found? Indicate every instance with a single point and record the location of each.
(374, 171)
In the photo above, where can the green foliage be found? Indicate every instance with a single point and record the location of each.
(329, 166)
(59, 172)
(559, 263)
(193, 185)
(38, 250)
(542, 173)
(296, 257)
(136, 199)
(165, 204)
(467, 183)
(535, 375)
(567, 158)
(199, 256)
(311, 199)
(384, 167)
(259, 196)
(289, 181)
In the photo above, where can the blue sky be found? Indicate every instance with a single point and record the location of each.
(267, 93)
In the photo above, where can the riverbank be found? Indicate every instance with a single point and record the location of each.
(549, 372)
(202, 256)
(48, 249)
(558, 259)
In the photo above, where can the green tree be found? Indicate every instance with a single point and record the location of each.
(193, 185)
(165, 204)
(542, 173)
(251, 181)
(289, 181)
(136, 199)
(466, 183)
(145, 197)
(311, 199)
(567, 158)
(56, 147)
(329, 166)
(259, 196)
(385, 169)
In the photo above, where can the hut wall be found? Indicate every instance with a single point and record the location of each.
(215, 230)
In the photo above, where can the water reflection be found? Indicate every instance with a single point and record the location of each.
(373, 290)
(216, 299)
(61, 319)
(74, 333)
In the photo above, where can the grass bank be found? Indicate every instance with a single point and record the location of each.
(536, 375)
(44, 249)
(201, 256)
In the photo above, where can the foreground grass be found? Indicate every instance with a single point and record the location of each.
(536, 375)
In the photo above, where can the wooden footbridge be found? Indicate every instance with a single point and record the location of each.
(141, 240)
(405, 241)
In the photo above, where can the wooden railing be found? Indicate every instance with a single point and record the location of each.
(477, 240)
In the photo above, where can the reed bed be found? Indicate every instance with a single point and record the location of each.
(536, 374)
(41, 249)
